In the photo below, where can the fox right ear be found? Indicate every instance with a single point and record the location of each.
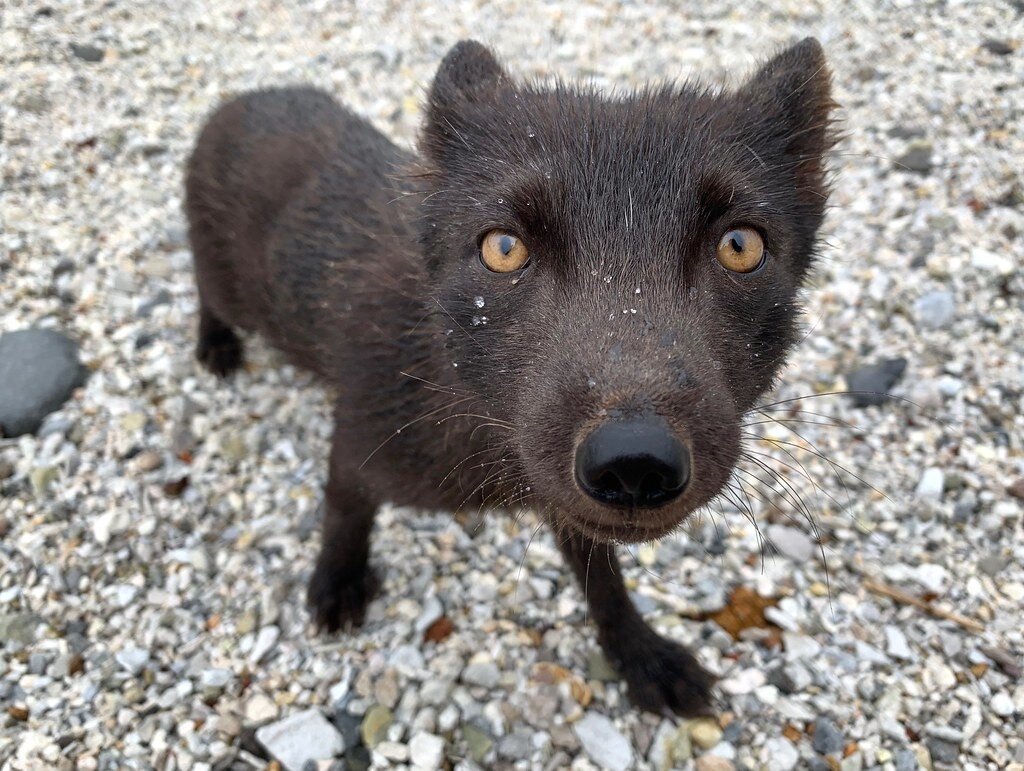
(469, 73)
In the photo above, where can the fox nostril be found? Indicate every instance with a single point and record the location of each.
(636, 463)
(609, 481)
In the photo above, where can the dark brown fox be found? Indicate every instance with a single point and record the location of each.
(566, 302)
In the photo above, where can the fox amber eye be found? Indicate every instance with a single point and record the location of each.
(741, 250)
(502, 252)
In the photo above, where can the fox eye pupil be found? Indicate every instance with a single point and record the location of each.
(506, 243)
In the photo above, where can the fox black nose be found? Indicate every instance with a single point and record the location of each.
(634, 463)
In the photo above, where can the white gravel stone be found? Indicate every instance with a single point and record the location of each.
(931, 484)
(426, 751)
(744, 681)
(260, 708)
(896, 644)
(407, 660)
(603, 742)
(800, 647)
(133, 659)
(792, 542)
(483, 673)
(932, 577)
(989, 261)
(1002, 704)
(935, 310)
(779, 754)
(300, 738)
(265, 642)
(392, 751)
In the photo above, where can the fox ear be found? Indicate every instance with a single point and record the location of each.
(469, 73)
(468, 80)
(788, 101)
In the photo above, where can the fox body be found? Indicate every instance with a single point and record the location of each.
(565, 301)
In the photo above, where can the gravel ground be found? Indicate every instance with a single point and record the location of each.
(158, 529)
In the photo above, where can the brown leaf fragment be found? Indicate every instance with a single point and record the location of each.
(439, 630)
(175, 487)
(745, 610)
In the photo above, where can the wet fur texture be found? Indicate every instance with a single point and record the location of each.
(457, 387)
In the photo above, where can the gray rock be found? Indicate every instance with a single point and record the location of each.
(868, 688)
(946, 733)
(791, 541)
(37, 663)
(896, 644)
(39, 368)
(941, 750)
(952, 645)
(485, 674)
(162, 297)
(917, 158)
(779, 754)
(407, 660)
(892, 727)
(854, 762)
(800, 647)
(993, 564)
(133, 659)
(790, 678)
(645, 605)
(1006, 662)
(965, 507)
(266, 640)
(299, 738)
(603, 742)
(348, 726)
(828, 739)
(431, 612)
(18, 627)
(478, 742)
(997, 46)
(215, 678)
(868, 386)
(87, 52)
(515, 746)
(905, 760)
(935, 309)
(906, 132)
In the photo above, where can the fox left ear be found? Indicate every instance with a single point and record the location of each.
(788, 103)
(468, 80)
(469, 73)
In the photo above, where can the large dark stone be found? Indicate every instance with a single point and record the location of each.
(828, 739)
(87, 52)
(870, 385)
(917, 158)
(39, 368)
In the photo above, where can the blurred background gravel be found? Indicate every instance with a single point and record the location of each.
(158, 529)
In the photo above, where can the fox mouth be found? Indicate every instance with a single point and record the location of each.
(626, 532)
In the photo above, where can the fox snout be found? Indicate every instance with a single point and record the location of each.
(633, 463)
